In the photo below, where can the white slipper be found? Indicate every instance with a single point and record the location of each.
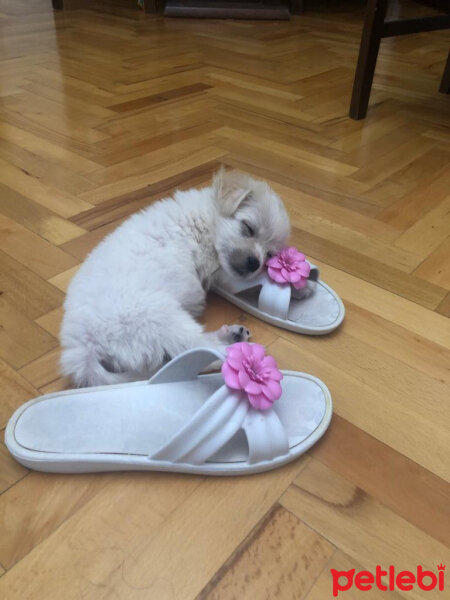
(315, 311)
(178, 421)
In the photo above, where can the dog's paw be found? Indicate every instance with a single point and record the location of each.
(230, 334)
(306, 292)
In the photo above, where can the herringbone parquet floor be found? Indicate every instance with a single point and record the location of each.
(103, 114)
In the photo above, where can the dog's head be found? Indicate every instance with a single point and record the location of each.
(252, 223)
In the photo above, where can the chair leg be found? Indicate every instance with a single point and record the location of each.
(367, 59)
(445, 81)
(57, 4)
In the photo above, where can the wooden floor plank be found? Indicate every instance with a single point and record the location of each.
(126, 526)
(324, 163)
(414, 350)
(139, 182)
(43, 370)
(62, 280)
(15, 391)
(27, 292)
(281, 559)
(100, 535)
(81, 246)
(402, 485)
(21, 339)
(335, 215)
(372, 397)
(62, 177)
(107, 110)
(48, 500)
(309, 221)
(428, 233)
(358, 202)
(60, 202)
(216, 500)
(389, 306)
(436, 267)
(10, 470)
(36, 218)
(130, 149)
(147, 162)
(391, 162)
(52, 152)
(444, 306)
(323, 587)
(32, 251)
(123, 205)
(411, 207)
(358, 525)
(51, 321)
(367, 269)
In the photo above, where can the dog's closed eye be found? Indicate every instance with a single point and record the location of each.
(247, 229)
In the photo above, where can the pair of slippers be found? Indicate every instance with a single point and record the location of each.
(249, 418)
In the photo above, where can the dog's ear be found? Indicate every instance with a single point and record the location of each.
(231, 189)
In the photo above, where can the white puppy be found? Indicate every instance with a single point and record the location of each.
(132, 304)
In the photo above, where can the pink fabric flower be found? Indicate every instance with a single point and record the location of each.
(289, 266)
(248, 368)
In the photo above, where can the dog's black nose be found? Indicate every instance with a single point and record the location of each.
(252, 264)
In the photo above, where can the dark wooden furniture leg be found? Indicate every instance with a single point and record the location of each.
(367, 59)
(57, 4)
(445, 81)
(375, 28)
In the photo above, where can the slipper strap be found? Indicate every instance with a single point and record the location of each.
(274, 298)
(210, 427)
(234, 285)
(266, 436)
(219, 419)
(187, 365)
(208, 431)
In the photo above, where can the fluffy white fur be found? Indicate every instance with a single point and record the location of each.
(132, 304)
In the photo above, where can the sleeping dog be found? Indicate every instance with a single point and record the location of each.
(132, 305)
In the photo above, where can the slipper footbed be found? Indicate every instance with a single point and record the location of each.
(138, 419)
